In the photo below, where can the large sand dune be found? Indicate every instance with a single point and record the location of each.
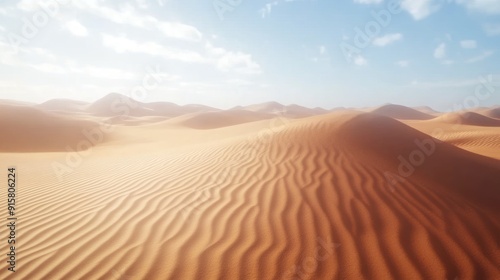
(252, 194)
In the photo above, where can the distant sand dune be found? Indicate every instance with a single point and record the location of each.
(253, 198)
(210, 120)
(115, 104)
(25, 129)
(174, 110)
(493, 113)
(469, 118)
(289, 111)
(64, 105)
(401, 112)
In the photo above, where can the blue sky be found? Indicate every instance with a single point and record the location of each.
(224, 53)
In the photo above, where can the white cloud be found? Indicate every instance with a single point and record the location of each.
(492, 29)
(368, 1)
(128, 15)
(482, 6)
(322, 49)
(73, 67)
(480, 57)
(103, 72)
(223, 59)
(179, 30)
(239, 62)
(403, 63)
(267, 9)
(28, 5)
(419, 9)
(232, 61)
(48, 68)
(360, 60)
(142, 4)
(387, 39)
(440, 51)
(121, 44)
(76, 28)
(468, 44)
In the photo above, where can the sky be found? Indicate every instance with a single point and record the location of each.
(223, 53)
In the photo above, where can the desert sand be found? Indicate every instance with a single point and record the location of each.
(161, 191)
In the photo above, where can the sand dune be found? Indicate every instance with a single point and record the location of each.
(469, 118)
(210, 120)
(26, 129)
(267, 107)
(296, 111)
(115, 104)
(64, 105)
(492, 113)
(401, 112)
(382, 138)
(426, 110)
(173, 110)
(249, 197)
(289, 111)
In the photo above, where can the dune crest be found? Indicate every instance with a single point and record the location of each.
(401, 112)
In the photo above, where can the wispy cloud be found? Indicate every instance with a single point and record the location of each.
(360, 60)
(420, 9)
(491, 29)
(76, 28)
(223, 59)
(482, 6)
(232, 61)
(387, 39)
(122, 44)
(128, 15)
(48, 68)
(440, 51)
(468, 44)
(268, 8)
(322, 50)
(480, 57)
(403, 63)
